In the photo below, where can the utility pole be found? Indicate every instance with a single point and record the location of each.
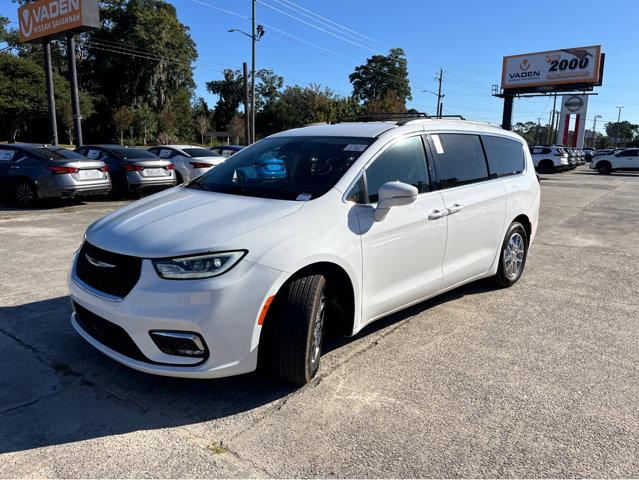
(618, 121)
(75, 99)
(48, 75)
(594, 130)
(537, 131)
(551, 130)
(253, 40)
(247, 110)
(440, 77)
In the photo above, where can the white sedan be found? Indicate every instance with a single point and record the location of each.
(190, 161)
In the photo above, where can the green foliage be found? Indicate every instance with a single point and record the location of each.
(122, 119)
(627, 131)
(380, 75)
(22, 94)
(533, 133)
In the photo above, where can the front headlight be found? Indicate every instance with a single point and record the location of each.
(198, 266)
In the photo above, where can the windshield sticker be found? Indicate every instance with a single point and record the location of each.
(437, 143)
(165, 153)
(6, 155)
(93, 154)
(355, 147)
(303, 197)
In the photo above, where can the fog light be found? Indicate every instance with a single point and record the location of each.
(183, 344)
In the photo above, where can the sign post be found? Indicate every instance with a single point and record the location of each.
(48, 19)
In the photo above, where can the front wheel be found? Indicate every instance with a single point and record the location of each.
(297, 329)
(604, 168)
(512, 258)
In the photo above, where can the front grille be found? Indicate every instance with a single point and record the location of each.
(107, 333)
(114, 274)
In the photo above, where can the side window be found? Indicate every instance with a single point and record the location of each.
(629, 153)
(356, 193)
(404, 161)
(459, 159)
(546, 151)
(505, 156)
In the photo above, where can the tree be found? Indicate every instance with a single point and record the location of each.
(22, 94)
(387, 103)
(380, 75)
(202, 124)
(145, 121)
(167, 126)
(122, 119)
(627, 131)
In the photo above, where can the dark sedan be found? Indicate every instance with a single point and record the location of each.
(132, 169)
(29, 172)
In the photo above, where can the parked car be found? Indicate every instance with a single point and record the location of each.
(589, 153)
(344, 223)
(190, 161)
(549, 159)
(132, 169)
(227, 150)
(627, 159)
(29, 172)
(572, 157)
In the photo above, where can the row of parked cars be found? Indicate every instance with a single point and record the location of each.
(29, 172)
(552, 159)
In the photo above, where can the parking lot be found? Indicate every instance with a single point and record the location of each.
(541, 379)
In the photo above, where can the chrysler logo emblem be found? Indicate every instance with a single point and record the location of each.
(97, 263)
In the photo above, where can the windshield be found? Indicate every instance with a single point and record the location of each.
(132, 152)
(57, 153)
(200, 152)
(288, 168)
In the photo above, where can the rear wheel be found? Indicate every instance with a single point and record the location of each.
(178, 178)
(297, 329)
(604, 168)
(546, 166)
(25, 194)
(512, 258)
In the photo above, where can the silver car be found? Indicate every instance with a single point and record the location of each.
(29, 172)
(132, 169)
(190, 161)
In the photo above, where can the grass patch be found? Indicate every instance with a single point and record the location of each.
(217, 448)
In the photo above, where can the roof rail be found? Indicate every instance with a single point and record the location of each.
(382, 116)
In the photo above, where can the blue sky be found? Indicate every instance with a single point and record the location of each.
(466, 38)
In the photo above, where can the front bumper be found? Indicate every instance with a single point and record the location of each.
(223, 310)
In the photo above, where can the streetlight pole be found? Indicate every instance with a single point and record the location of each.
(594, 131)
(618, 121)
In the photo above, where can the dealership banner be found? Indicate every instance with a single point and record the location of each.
(50, 17)
(554, 67)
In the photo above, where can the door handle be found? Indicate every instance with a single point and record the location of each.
(455, 208)
(436, 214)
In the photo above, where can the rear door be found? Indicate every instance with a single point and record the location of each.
(476, 205)
(627, 160)
(7, 166)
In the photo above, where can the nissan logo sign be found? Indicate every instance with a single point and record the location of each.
(574, 103)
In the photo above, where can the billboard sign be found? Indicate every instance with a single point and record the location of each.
(47, 18)
(552, 69)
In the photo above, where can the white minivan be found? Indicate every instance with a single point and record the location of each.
(342, 223)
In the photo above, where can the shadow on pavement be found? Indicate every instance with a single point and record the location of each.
(55, 388)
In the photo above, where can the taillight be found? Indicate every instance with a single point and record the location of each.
(170, 166)
(105, 168)
(133, 168)
(200, 165)
(62, 170)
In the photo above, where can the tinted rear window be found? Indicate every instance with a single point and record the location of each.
(459, 159)
(200, 152)
(132, 152)
(56, 153)
(505, 156)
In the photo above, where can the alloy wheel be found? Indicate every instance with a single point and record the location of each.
(318, 333)
(25, 194)
(514, 256)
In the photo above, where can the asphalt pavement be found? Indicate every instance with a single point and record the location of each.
(539, 380)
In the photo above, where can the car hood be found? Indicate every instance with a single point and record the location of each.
(182, 221)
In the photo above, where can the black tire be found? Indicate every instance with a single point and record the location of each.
(178, 178)
(604, 168)
(25, 194)
(297, 329)
(507, 277)
(546, 166)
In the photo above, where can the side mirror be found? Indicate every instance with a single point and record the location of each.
(393, 194)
